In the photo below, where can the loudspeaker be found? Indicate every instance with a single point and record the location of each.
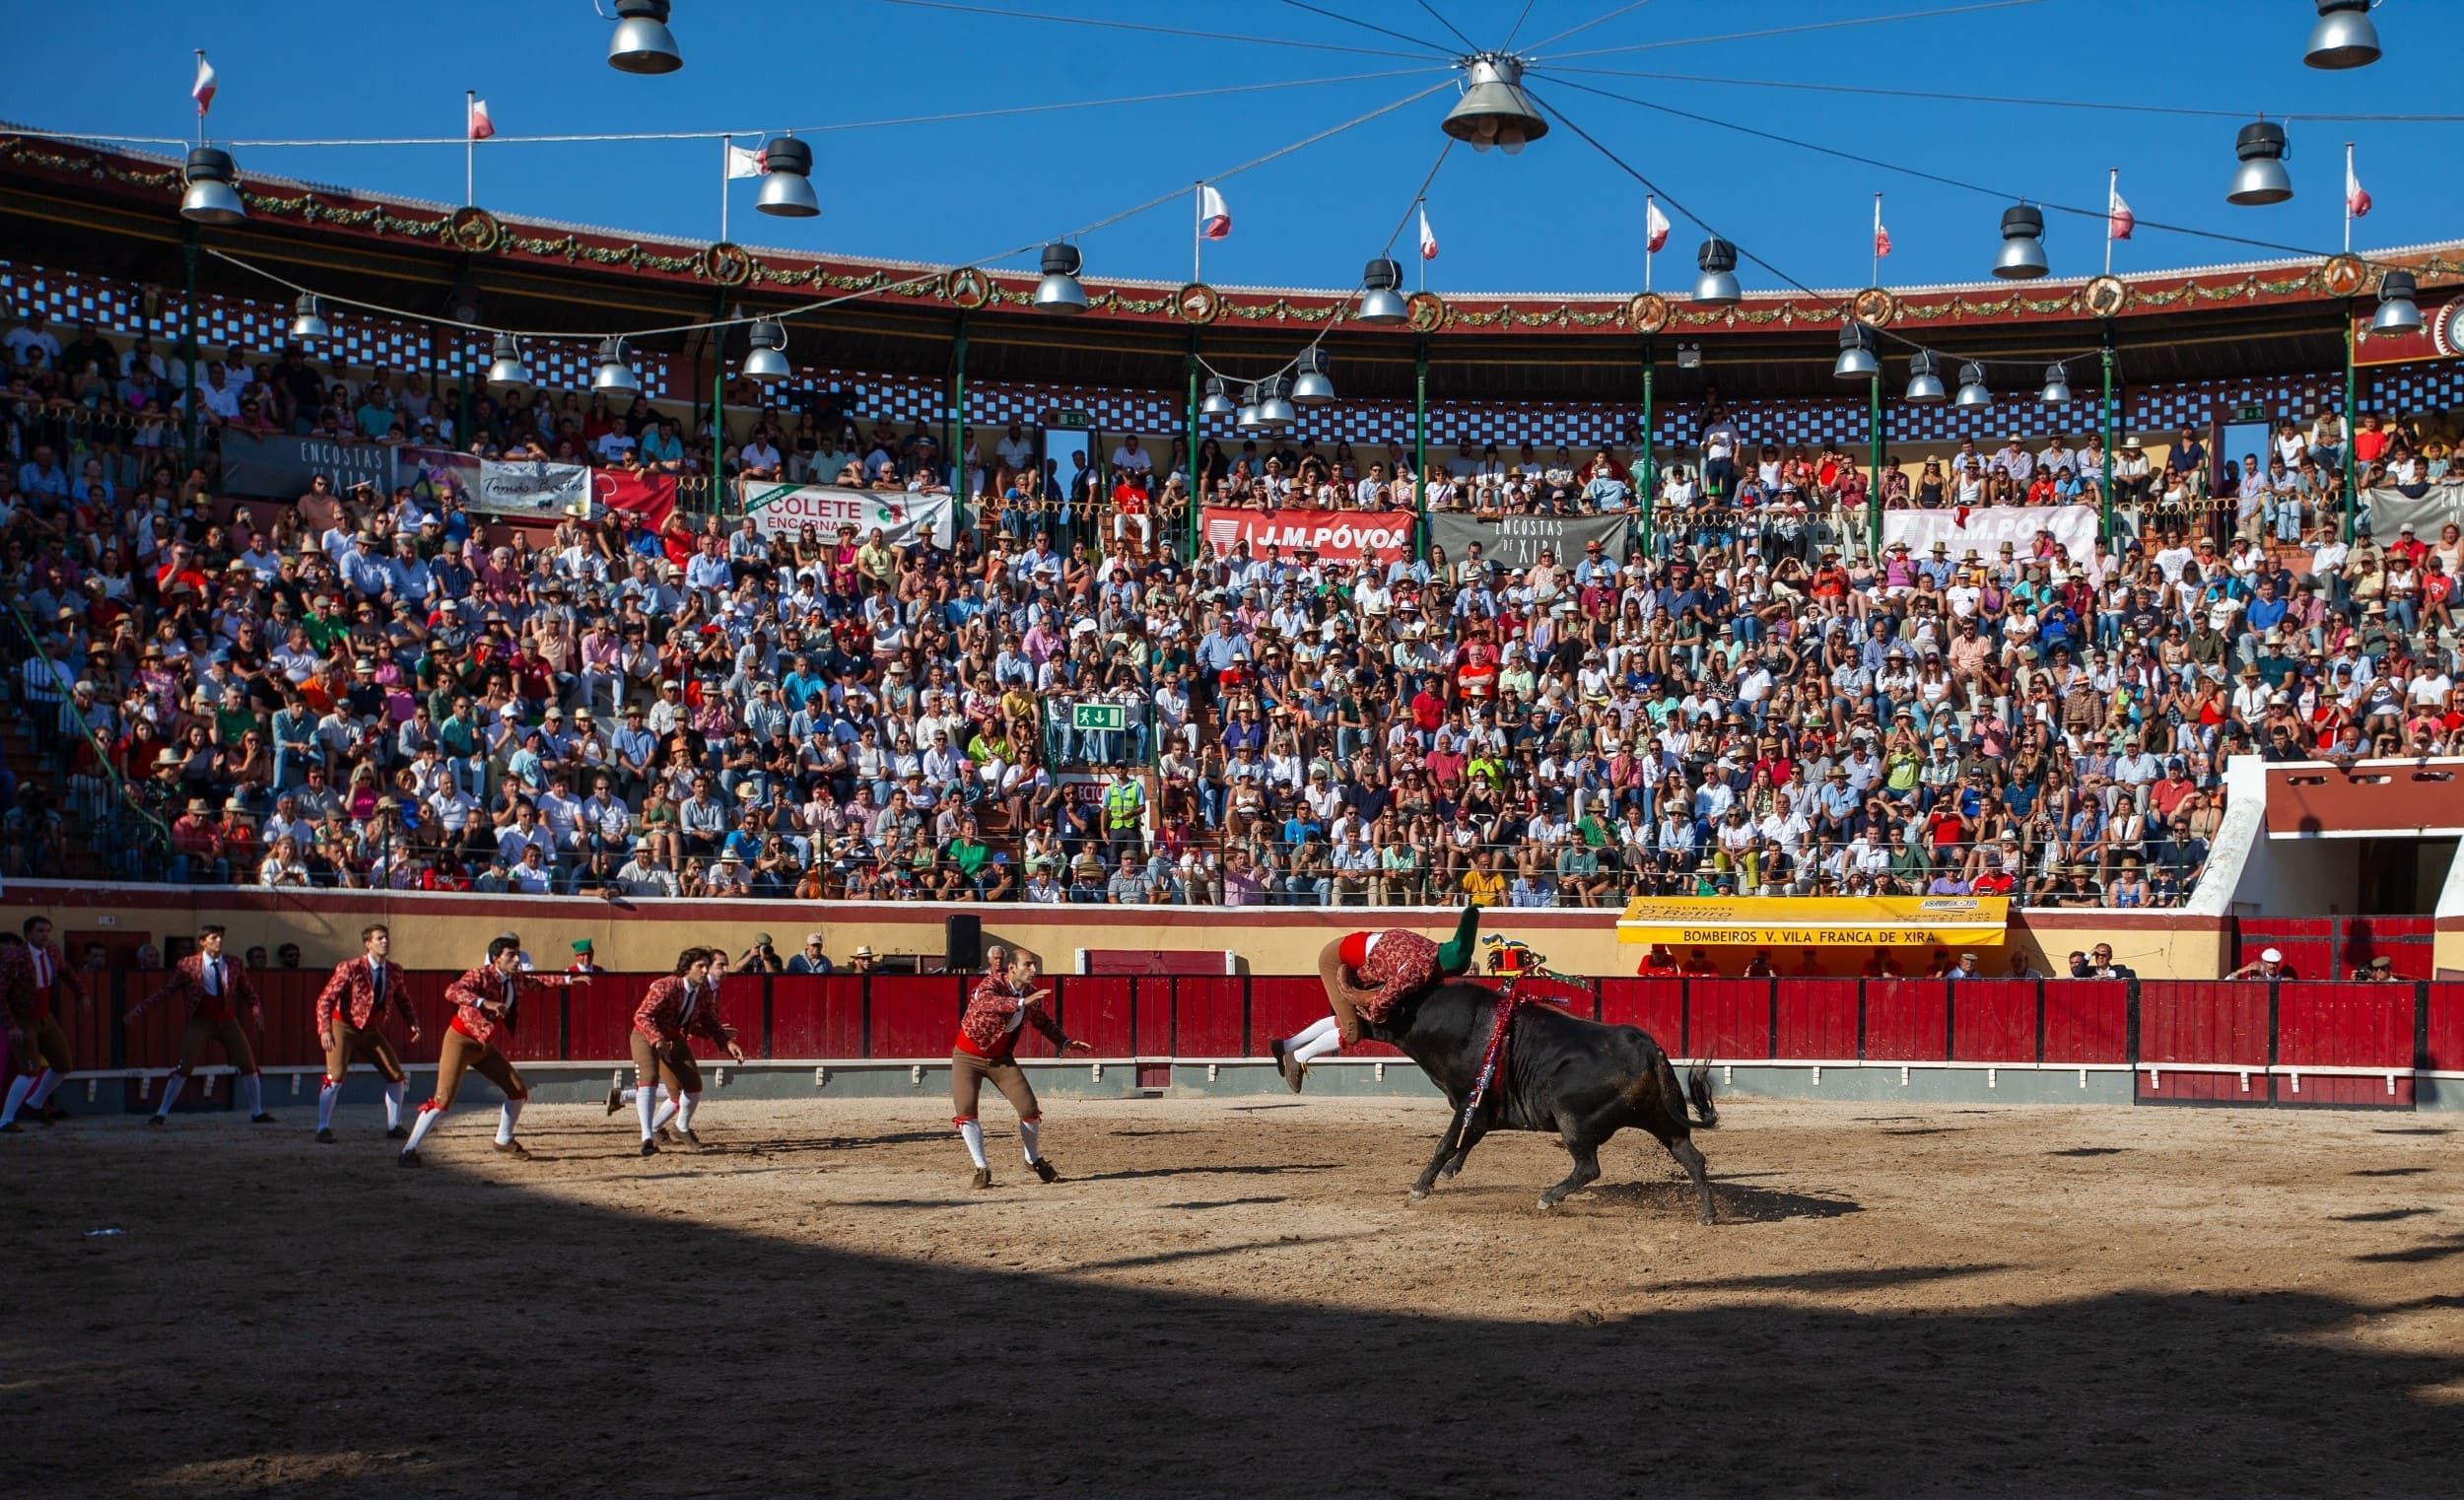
(962, 942)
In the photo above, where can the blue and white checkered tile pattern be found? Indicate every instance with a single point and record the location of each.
(258, 330)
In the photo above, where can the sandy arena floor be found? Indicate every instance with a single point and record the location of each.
(1235, 1299)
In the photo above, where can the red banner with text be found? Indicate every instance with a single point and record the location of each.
(1334, 535)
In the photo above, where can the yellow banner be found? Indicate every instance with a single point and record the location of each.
(1816, 922)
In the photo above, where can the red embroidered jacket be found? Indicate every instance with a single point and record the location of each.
(671, 1013)
(353, 990)
(474, 993)
(17, 1000)
(51, 977)
(187, 981)
(996, 1014)
(1400, 966)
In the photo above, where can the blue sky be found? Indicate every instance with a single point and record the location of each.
(1557, 218)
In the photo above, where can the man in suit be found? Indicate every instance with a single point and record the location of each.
(47, 977)
(215, 992)
(677, 1008)
(487, 1005)
(349, 1010)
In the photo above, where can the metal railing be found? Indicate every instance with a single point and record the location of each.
(132, 842)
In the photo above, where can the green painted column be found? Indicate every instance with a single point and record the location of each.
(1420, 444)
(958, 421)
(188, 353)
(719, 411)
(2351, 406)
(2104, 418)
(1191, 455)
(1647, 464)
(1874, 467)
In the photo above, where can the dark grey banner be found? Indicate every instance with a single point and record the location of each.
(1517, 540)
(281, 466)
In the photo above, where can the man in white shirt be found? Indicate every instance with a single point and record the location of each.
(1016, 449)
(1129, 457)
(35, 333)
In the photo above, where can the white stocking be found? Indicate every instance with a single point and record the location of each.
(971, 1133)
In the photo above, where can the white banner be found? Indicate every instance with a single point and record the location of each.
(490, 487)
(787, 509)
(2073, 527)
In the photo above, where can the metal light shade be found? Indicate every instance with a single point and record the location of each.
(767, 359)
(2022, 257)
(643, 43)
(1249, 421)
(1856, 359)
(505, 370)
(1718, 284)
(2397, 311)
(1925, 378)
(616, 375)
(1381, 305)
(1058, 291)
(2261, 178)
(786, 167)
(1973, 395)
(213, 191)
(2057, 386)
(1494, 111)
(308, 320)
(1217, 403)
(1274, 405)
(2344, 36)
(1312, 387)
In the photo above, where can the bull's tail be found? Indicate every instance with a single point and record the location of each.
(1698, 1089)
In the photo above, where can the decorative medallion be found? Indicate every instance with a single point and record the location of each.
(1875, 306)
(1648, 313)
(970, 288)
(2446, 329)
(2106, 296)
(1428, 311)
(1197, 303)
(2342, 275)
(475, 229)
(730, 265)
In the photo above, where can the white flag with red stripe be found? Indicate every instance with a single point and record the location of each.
(2357, 199)
(744, 161)
(1655, 227)
(1214, 217)
(202, 90)
(1429, 237)
(481, 127)
(1882, 235)
(2119, 221)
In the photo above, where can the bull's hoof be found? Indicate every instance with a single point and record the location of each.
(1546, 1202)
(1416, 1195)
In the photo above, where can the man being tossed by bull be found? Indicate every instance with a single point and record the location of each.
(1366, 975)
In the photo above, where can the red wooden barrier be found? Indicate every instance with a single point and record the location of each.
(1994, 1021)
(1818, 1019)
(916, 1015)
(1152, 998)
(1096, 1009)
(598, 1016)
(2309, 943)
(1906, 1020)
(1207, 1015)
(814, 1015)
(2409, 942)
(1657, 1006)
(2210, 1021)
(2086, 1021)
(2445, 1042)
(2344, 1026)
(1727, 1019)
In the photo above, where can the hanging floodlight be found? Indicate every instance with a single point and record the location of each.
(1248, 420)
(1219, 402)
(507, 371)
(2261, 178)
(1381, 305)
(767, 359)
(2022, 257)
(1312, 389)
(1973, 394)
(1925, 378)
(1718, 284)
(1856, 359)
(787, 167)
(643, 43)
(1058, 291)
(2344, 36)
(308, 320)
(2057, 386)
(2397, 311)
(213, 191)
(1494, 111)
(1274, 405)
(615, 375)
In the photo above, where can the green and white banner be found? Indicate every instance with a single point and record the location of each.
(785, 511)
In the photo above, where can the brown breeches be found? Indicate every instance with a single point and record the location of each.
(47, 1046)
(672, 1064)
(227, 1032)
(968, 1073)
(346, 1042)
(461, 1054)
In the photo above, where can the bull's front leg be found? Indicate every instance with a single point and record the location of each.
(1445, 1145)
(1471, 1137)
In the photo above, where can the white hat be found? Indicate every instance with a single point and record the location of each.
(2270, 955)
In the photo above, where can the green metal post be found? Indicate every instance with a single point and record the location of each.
(189, 355)
(719, 411)
(1874, 467)
(1647, 467)
(2104, 418)
(2352, 400)
(1420, 444)
(958, 421)
(1191, 455)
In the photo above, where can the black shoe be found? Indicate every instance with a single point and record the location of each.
(615, 1099)
(1044, 1171)
(650, 1148)
(324, 1136)
(667, 1135)
(687, 1137)
(52, 1114)
(260, 1119)
(982, 1178)
(512, 1148)
(407, 1159)
(399, 1132)
(1284, 1064)
(12, 1129)
(154, 1119)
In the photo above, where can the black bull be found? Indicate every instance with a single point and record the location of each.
(1579, 1078)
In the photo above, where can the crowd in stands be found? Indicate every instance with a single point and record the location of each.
(362, 689)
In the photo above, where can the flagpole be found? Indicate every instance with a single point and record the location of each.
(1648, 252)
(2348, 205)
(1878, 242)
(2112, 190)
(1197, 228)
(470, 147)
(727, 161)
(1421, 206)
